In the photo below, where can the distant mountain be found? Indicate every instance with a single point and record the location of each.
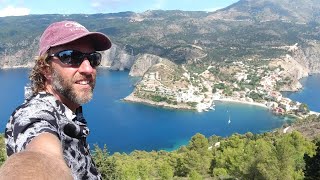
(248, 29)
(297, 11)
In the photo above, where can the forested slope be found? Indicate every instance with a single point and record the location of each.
(271, 155)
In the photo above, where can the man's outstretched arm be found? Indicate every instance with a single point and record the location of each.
(42, 159)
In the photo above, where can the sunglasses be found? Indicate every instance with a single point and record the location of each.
(75, 58)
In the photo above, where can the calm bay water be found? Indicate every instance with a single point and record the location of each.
(124, 127)
(310, 94)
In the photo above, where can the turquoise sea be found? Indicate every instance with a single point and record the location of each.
(125, 127)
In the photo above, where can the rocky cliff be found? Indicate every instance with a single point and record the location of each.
(117, 59)
(13, 57)
(293, 71)
(309, 56)
(143, 63)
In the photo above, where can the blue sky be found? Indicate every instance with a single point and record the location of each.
(25, 7)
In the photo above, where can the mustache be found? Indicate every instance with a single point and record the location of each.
(88, 77)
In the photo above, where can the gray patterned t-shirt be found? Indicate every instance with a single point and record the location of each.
(44, 113)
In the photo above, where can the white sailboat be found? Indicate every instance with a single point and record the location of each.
(212, 106)
(229, 121)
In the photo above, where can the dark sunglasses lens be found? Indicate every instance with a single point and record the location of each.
(94, 59)
(70, 57)
(75, 58)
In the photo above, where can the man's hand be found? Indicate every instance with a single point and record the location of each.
(42, 159)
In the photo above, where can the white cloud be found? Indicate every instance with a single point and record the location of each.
(99, 3)
(102, 5)
(14, 11)
(158, 4)
(95, 4)
(212, 9)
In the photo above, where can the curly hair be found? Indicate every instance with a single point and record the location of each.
(37, 78)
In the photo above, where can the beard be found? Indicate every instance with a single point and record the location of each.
(65, 88)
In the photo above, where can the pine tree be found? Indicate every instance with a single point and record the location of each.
(312, 170)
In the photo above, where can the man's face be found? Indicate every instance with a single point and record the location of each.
(72, 88)
(73, 85)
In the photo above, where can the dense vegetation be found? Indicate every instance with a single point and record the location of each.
(249, 156)
(271, 155)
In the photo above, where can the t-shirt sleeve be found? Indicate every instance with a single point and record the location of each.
(27, 133)
(28, 125)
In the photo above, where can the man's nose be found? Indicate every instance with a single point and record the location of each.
(85, 67)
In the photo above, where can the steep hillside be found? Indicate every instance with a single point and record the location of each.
(248, 29)
(296, 11)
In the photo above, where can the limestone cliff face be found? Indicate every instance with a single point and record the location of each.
(299, 63)
(293, 70)
(19, 55)
(117, 59)
(143, 63)
(309, 56)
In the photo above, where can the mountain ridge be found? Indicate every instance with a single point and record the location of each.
(295, 11)
(246, 29)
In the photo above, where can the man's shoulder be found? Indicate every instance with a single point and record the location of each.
(36, 115)
(37, 106)
(41, 109)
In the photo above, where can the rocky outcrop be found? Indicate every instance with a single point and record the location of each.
(309, 56)
(292, 70)
(143, 63)
(18, 55)
(117, 59)
(299, 63)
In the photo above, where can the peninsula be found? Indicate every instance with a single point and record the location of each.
(252, 81)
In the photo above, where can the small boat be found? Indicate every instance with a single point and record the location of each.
(212, 107)
(229, 120)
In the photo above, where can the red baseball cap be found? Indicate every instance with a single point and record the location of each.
(64, 32)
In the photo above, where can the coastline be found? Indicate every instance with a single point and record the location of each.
(242, 102)
(133, 98)
(206, 107)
